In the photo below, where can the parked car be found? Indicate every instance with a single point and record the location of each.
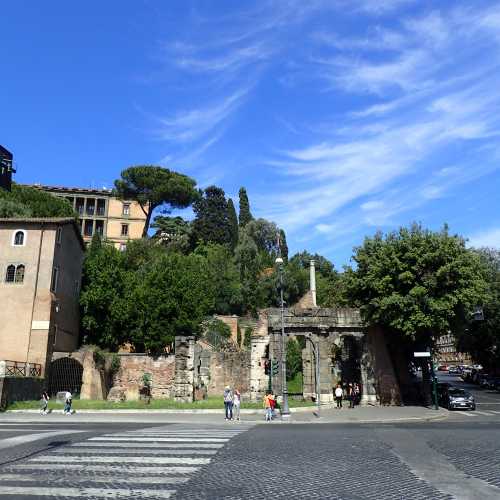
(455, 399)
(466, 374)
(443, 368)
(483, 380)
(453, 369)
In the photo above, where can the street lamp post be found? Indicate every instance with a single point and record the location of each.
(285, 411)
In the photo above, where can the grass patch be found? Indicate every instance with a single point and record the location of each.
(295, 384)
(156, 404)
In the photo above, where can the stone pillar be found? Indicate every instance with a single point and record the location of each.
(312, 281)
(325, 368)
(367, 367)
(2, 368)
(258, 378)
(308, 372)
(184, 369)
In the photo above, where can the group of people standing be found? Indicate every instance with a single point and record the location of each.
(232, 403)
(350, 391)
(44, 403)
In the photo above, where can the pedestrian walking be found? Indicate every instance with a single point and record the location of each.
(44, 403)
(357, 393)
(350, 395)
(236, 404)
(338, 395)
(228, 402)
(268, 406)
(68, 402)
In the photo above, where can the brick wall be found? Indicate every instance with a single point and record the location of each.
(229, 368)
(127, 381)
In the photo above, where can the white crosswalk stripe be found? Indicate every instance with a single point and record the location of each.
(147, 463)
(464, 413)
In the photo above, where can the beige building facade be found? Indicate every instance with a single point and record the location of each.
(446, 351)
(40, 278)
(99, 212)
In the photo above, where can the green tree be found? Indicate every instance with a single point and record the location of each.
(152, 187)
(224, 278)
(233, 223)
(173, 232)
(12, 208)
(104, 303)
(171, 297)
(211, 223)
(417, 282)
(24, 200)
(245, 215)
(482, 338)
(283, 246)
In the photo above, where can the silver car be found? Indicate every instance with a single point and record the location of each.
(456, 399)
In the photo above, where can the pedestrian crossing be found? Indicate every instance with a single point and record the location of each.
(476, 413)
(148, 463)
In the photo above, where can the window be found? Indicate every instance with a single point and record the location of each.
(55, 278)
(126, 209)
(10, 274)
(88, 227)
(58, 235)
(124, 229)
(19, 274)
(123, 247)
(19, 239)
(14, 274)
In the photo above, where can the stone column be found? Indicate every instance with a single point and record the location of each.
(325, 368)
(312, 281)
(308, 373)
(184, 369)
(367, 368)
(258, 378)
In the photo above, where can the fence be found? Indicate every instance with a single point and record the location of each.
(20, 369)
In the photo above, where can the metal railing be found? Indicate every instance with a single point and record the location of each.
(20, 369)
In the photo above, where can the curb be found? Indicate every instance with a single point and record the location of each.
(194, 411)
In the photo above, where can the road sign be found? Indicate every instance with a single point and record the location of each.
(424, 354)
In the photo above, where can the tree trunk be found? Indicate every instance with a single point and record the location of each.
(149, 213)
(426, 383)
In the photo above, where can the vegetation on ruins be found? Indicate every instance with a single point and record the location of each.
(25, 201)
(155, 187)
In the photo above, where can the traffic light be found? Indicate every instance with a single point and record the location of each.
(267, 367)
(276, 366)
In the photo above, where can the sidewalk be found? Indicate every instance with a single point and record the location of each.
(328, 414)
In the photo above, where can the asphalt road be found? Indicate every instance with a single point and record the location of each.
(487, 401)
(428, 460)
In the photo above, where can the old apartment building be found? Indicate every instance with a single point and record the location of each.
(99, 212)
(40, 276)
(6, 169)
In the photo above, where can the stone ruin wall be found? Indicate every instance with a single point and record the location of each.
(128, 380)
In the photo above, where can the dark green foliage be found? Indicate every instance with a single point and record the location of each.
(233, 223)
(247, 339)
(238, 336)
(11, 208)
(245, 215)
(172, 295)
(173, 233)
(283, 246)
(482, 338)
(103, 300)
(211, 224)
(420, 283)
(224, 278)
(152, 187)
(24, 201)
(293, 359)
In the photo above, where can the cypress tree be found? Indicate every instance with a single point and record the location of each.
(233, 223)
(245, 215)
(283, 246)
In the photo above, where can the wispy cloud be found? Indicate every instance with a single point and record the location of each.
(193, 124)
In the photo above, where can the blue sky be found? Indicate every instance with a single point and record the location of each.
(339, 117)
